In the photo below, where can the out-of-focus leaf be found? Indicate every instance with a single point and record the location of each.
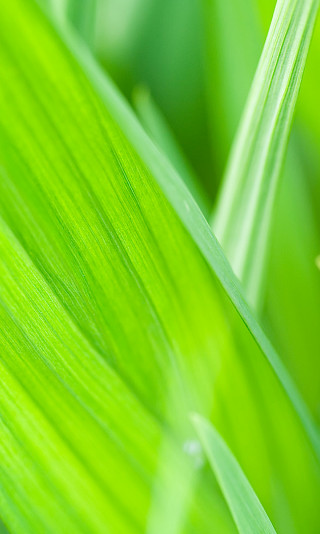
(293, 289)
(160, 44)
(160, 132)
(83, 15)
(233, 46)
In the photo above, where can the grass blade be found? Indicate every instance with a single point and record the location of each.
(293, 283)
(245, 205)
(245, 506)
(160, 132)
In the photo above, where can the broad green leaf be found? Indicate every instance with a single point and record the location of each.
(110, 270)
(245, 506)
(245, 205)
(194, 222)
(71, 431)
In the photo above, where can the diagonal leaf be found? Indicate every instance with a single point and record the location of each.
(245, 506)
(161, 134)
(192, 219)
(82, 14)
(87, 216)
(245, 205)
(291, 294)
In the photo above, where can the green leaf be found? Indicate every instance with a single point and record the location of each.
(159, 131)
(290, 286)
(119, 315)
(57, 8)
(245, 205)
(233, 47)
(245, 506)
(194, 222)
(82, 14)
(293, 289)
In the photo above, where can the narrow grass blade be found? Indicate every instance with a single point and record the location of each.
(160, 132)
(245, 506)
(245, 205)
(82, 14)
(290, 287)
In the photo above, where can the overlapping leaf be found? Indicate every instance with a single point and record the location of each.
(119, 314)
(290, 285)
(247, 511)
